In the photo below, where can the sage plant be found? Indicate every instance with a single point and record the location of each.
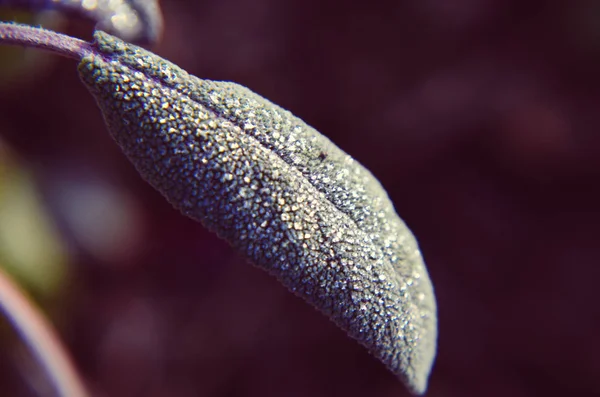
(280, 192)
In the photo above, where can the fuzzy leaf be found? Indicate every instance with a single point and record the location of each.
(279, 191)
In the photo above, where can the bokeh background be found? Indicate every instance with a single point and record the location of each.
(480, 117)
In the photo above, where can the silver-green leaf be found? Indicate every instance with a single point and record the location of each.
(280, 192)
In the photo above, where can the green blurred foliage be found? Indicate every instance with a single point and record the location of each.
(31, 250)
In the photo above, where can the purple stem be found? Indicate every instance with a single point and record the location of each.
(138, 21)
(58, 43)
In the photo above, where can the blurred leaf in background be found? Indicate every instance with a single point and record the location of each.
(31, 249)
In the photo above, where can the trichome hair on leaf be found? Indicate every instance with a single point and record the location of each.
(279, 191)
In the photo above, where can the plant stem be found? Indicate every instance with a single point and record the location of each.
(58, 43)
(39, 335)
(138, 21)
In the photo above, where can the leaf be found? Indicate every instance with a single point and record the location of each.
(279, 191)
(30, 247)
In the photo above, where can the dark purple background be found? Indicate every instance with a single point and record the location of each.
(480, 117)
